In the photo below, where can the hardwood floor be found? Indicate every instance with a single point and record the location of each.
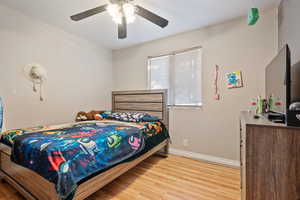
(172, 178)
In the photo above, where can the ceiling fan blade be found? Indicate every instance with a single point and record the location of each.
(89, 13)
(122, 29)
(154, 18)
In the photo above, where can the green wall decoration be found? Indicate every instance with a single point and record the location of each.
(253, 16)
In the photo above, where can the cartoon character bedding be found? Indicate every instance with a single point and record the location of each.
(67, 154)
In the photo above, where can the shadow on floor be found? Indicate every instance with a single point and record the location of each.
(121, 183)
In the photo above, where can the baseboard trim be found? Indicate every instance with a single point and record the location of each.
(198, 156)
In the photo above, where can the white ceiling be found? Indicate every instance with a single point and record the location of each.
(184, 15)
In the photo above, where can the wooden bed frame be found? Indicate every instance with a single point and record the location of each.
(34, 187)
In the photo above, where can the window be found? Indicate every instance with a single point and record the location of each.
(180, 73)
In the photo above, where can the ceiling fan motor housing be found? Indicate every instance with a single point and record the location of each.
(120, 1)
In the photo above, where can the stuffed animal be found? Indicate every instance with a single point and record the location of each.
(95, 115)
(92, 115)
(81, 116)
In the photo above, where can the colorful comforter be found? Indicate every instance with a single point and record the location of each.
(69, 153)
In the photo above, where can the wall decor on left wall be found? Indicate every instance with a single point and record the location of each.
(36, 74)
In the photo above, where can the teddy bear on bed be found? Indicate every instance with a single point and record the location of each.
(88, 116)
(81, 116)
(95, 115)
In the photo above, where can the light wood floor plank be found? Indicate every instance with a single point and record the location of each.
(172, 178)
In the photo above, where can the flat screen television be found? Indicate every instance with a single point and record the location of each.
(278, 80)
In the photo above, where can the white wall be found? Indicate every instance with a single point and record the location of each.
(80, 73)
(289, 28)
(213, 129)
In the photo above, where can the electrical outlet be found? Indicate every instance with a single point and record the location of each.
(185, 142)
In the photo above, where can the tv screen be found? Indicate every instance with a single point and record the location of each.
(295, 83)
(278, 80)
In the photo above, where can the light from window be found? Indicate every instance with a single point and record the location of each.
(180, 73)
(159, 72)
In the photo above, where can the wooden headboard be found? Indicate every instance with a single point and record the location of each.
(153, 102)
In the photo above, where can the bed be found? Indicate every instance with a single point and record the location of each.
(33, 186)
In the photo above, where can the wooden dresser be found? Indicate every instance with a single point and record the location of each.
(270, 159)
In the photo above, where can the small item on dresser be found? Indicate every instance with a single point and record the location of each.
(271, 103)
(293, 114)
(295, 106)
(260, 105)
(253, 107)
(265, 106)
(256, 116)
(276, 117)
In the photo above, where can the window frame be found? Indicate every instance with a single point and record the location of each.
(171, 74)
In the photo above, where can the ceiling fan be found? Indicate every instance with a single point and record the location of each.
(123, 12)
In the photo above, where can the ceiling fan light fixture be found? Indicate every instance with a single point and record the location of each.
(113, 9)
(129, 9)
(117, 19)
(118, 11)
(129, 12)
(130, 19)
